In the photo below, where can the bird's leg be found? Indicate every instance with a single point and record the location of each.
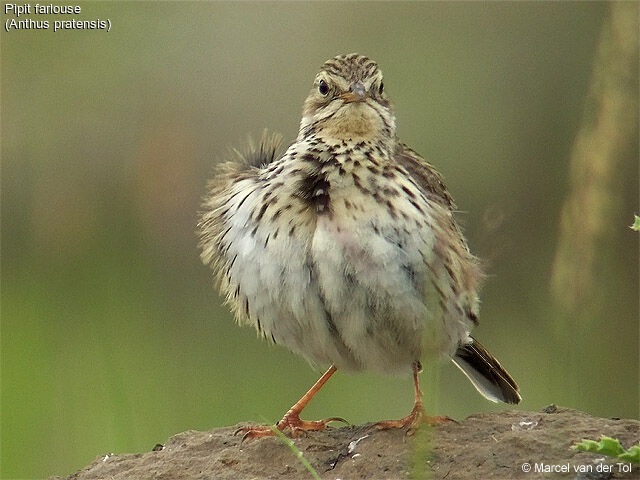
(292, 419)
(418, 414)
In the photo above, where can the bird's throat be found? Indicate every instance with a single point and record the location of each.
(352, 122)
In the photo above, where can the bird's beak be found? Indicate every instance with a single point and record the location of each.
(356, 93)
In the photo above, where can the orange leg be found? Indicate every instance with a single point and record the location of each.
(292, 419)
(418, 414)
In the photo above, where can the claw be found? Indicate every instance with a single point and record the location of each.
(338, 419)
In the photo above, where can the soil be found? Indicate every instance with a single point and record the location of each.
(483, 446)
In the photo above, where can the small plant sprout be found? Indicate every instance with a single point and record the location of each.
(610, 447)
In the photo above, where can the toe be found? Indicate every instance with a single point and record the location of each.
(297, 425)
(257, 431)
(439, 420)
(412, 421)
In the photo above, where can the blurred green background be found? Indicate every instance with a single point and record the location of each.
(112, 336)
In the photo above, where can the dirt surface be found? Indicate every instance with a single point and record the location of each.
(483, 446)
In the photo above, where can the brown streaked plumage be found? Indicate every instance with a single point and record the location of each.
(344, 247)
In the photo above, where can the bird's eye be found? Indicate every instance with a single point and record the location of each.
(381, 89)
(323, 88)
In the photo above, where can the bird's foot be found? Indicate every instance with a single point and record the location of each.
(291, 421)
(411, 422)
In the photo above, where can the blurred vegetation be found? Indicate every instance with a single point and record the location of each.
(609, 128)
(112, 338)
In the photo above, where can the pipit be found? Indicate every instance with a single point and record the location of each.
(345, 249)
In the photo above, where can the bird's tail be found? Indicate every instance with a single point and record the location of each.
(486, 373)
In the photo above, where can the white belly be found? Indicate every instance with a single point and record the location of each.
(350, 290)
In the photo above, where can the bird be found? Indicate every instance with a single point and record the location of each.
(344, 248)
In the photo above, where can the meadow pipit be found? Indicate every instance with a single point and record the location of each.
(344, 248)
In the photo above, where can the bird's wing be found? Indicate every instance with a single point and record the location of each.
(425, 176)
(463, 266)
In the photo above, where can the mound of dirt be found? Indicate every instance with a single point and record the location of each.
(499, 445)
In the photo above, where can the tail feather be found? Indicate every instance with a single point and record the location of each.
(486, 373)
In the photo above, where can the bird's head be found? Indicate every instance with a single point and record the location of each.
(348, 103)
